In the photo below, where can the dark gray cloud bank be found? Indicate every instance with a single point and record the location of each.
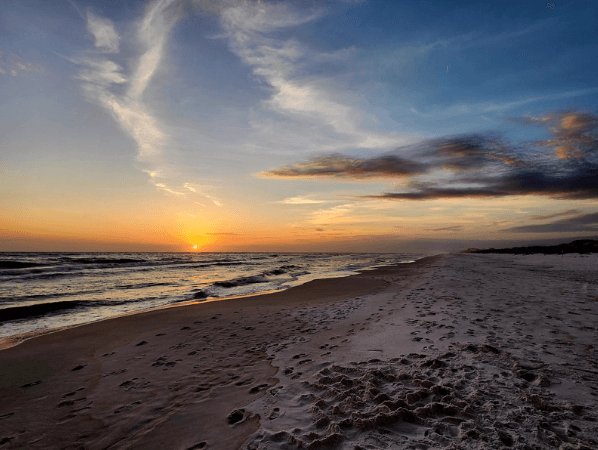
(477, 165)
(581, 223)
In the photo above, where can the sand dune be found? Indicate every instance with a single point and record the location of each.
(454, 351)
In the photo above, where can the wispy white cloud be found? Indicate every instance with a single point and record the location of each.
(303, 99)
(204, 191)
(105, 36)
(15, 65)
(189, 187)
(100, 72)
(152, 33)
(167, 189)
(525, 101)
(335, 214)
(101, 76)
(497, 107)
(301, 200)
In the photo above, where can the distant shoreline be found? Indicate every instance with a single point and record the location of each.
(581, 246)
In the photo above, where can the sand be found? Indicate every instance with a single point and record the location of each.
(453, 351)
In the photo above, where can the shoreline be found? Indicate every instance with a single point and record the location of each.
(5, 342)
(217, 350)
(449, 350)
(16, 339)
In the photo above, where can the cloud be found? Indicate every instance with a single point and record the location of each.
(105, 36)
(472, 152)
(331, 215)
(16, 65)
(300, 201)
(582, 223)
(152, 33)
(338, 166)
(100, 72)
(452, 228)
(577, 183)
(572, 133)
(477, 165)
(513, 104)
(101, 78)
(568, 212)
(494, 107)
(204, 191)
(461, 153)
(103, 81)
(167, 189)
(283, 64)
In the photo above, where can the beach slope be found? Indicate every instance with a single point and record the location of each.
(453, 351)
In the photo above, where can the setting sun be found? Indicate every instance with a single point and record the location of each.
(195, 247)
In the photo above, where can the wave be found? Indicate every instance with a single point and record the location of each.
(241, 281)
(299, 274)
(275, 272)
(261, 278)
(67, 265)
(42, 309)
(106, 260)
(38, 297)
(140, 285)
(37, 275)
(200, 295)
(18, 265)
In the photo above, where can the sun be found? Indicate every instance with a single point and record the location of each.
(195, 247)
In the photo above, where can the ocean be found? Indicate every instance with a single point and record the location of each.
(44, 291)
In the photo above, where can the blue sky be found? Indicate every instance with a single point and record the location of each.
(294, 124)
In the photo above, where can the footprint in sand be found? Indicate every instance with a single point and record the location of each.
(258, 388)
(126, 407)
(244, 382)
(237, 416)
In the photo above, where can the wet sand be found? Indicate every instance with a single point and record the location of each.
(453, 351)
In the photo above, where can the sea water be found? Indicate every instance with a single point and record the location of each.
(43, 291)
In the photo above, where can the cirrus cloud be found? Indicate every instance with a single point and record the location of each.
(104, 34)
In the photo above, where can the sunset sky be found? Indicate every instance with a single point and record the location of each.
(306, 125)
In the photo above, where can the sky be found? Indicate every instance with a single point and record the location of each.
(312, 125)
